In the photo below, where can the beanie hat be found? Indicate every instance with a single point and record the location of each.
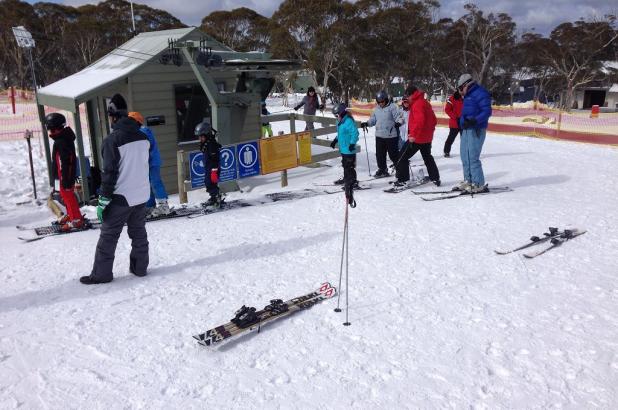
(117, 106)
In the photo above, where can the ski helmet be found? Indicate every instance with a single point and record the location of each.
(203, 128)
(117, 107)
(381, 96)
(463, 80)
(55, 120)
(339, 109)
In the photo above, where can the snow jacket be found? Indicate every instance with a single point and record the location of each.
(403, 130)
(154, 156)
(63, 155)
(211, 150)
(453, 109)
(311, 104)
(421, 120)
(384, 119)
(347, 134)
(125, 169)
(477, 105)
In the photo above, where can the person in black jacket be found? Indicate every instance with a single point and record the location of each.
(125, 188)
(65, 163)
(211, 150)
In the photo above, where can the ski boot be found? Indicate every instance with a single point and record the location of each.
(75, 224)
(245, 317)
(381, 173)
(213, 202)
(340, 181)
(277, 307)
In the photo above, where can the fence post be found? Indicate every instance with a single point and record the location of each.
(12, 97)
(28, 136)
(180, 166)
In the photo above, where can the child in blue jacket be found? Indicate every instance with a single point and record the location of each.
(347, 137)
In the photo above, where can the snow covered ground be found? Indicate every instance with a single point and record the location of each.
(438, 320)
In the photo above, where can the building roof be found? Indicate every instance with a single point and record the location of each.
(116, 65)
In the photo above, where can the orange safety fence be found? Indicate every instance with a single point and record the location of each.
(532, 119)
(14, 126)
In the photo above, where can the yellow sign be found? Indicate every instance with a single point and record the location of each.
(304, 147)
(278, 153)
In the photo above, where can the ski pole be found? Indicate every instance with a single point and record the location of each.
(347, 264)
(366, 150)
(345, 229)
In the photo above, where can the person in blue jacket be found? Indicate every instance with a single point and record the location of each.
(347, 137)
(473, 123)
(157, 203)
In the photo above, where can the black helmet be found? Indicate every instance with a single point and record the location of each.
(55, 120)
(203, 128)
(117, 107)
(339, 109)
(381, 96)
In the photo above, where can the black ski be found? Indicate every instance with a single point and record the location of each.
(534, 240)
(410, 185)
(556, 242)
(456, 194)
(247, 318)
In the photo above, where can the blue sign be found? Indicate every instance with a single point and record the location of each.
(227, 164)
(248, 159)
(196, 169)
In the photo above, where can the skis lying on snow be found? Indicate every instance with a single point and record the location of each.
(457, 194)
(53, 229)
(535, 240)
(248, 318)
(556, 242)
(410, 185)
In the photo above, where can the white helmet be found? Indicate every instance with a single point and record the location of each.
(463, 80)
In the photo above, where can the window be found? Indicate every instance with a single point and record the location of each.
(192, 107)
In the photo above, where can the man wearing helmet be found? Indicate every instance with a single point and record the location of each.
(387, 119)
(210, 149)
(64, 162)
(473, 122)
(125, 188)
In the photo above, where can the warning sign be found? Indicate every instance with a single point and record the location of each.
(278, 153)
(304, 147)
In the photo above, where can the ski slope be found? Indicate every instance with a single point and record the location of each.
(438, 320)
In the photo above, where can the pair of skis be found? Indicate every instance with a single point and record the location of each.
(452, 193)
(248, 318)
(409, 185)
(554, 238)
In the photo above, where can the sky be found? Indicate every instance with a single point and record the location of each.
(541, 16)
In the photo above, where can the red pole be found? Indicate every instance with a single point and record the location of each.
(13, 99)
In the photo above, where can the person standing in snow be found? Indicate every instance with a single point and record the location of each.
(125, 188)
(473, 122)
(157, 204)
(421, 125)
(311, 102)
(211, 150)
(267, 130)
(65, 163)
(347, 137)
(403, 129)
(387, 119)
(453, 107)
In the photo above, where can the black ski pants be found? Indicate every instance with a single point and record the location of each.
(452, 134)
(349, 168)
(384, 145)
(116, 214)
(403, 169)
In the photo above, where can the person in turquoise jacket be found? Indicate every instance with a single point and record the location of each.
(347, 137)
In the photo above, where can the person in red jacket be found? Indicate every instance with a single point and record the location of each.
(453, 107)
(421, 125)
(64, 162)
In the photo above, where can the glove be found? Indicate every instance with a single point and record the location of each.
(364, 125)
(214, 176)
(296, 108)
(321, 107)
(333, 143)
(102, 204)
(352, 147)
(469, 123)
(397, 125)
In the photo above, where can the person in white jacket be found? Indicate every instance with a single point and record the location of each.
(387, 119)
